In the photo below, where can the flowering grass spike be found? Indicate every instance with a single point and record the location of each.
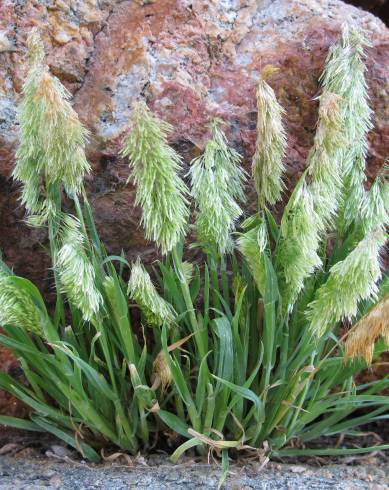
(344, 75)
(217, 184)
(350, 281)
(299, 243)
(324, 171)
(156, 310)
(52, 139)
(76, 272)
(17, 307)
(267, 166)
(161, 193)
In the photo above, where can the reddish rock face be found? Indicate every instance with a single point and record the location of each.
(191, 60)
(8, 404)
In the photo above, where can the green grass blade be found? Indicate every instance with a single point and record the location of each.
(174, 422)
(20, 423)
(184, 447)
(328, 451)
(248, 395)
(86, 451)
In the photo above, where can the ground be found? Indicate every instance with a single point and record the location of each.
(37, 461)
(37, 473)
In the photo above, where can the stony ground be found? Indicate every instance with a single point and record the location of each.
(22, 472)
(36, 461)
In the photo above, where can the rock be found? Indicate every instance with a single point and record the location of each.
(60, 451)
(5, 43)
(191, 60)
(8, 404)
(9, 448)
(32, 472)
(56, 482)
(377, 7)
(298, 469)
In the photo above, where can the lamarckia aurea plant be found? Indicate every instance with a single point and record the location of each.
(240, 350)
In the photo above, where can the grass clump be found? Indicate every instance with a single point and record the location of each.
(239, 351)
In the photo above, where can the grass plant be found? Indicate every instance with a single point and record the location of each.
(241, 350)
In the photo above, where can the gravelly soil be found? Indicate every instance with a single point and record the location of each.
(32, 461)
(21, 472)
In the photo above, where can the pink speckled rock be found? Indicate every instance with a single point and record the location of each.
(191, 60)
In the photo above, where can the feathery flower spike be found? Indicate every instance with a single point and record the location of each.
(217, 183)
(375, 205)
(253, 244)
(344, 119)
(17, 307)
(344, 75)
(155, 309)
(324, 172)
(52, 139)
(267, 166)
(154, 169)
(299, 243)
(350, 281)
(76, 271)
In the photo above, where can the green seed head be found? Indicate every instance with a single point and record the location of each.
(267, 166)
(17, 308)
(155, 309)
(217, 185)
(76, 272)
(160, 192)
(350, 281)
(52, 139)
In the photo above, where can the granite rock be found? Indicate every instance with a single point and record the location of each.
(191, 60)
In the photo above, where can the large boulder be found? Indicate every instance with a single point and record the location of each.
(377, 7)
(191, 60)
